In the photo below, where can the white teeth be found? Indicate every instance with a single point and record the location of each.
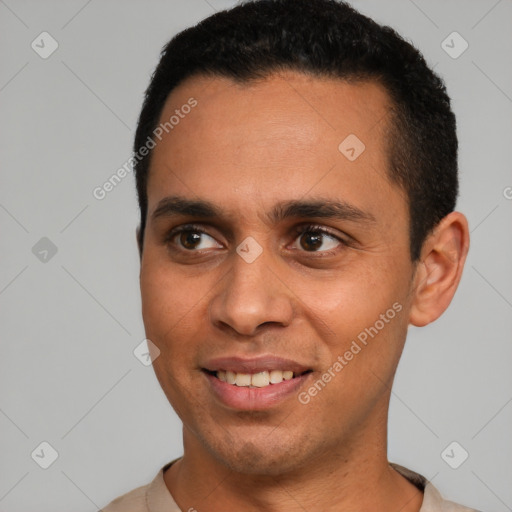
(260, 380)
(276, 376)
(256, 380)
(243, 379)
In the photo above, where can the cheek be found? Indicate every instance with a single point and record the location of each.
(360, 360)
(166, 295)
(169, 306)
(372, 326)
(353, 300)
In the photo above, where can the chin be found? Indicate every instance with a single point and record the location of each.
(258, 459)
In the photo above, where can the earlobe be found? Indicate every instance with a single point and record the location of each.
(440, 269)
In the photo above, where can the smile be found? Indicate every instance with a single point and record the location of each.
(254, 384)
(256, 380)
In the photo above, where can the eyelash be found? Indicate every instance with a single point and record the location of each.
(298, 231)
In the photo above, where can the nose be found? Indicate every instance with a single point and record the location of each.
(251, 295)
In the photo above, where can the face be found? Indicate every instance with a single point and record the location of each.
(269, 249)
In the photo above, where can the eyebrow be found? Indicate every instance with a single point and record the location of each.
(174, 205)
(320, 208)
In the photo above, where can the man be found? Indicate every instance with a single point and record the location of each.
(296, 167)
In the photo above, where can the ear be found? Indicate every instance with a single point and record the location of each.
(440, 268)
(139, 241)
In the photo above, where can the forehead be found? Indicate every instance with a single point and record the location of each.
(275, 139)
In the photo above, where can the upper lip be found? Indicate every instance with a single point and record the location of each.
(254, 364)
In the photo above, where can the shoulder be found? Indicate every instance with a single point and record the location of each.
(434, 502)
(432, 499)
(133, 501)
(152, 497)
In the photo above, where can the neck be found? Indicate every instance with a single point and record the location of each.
(355, 479)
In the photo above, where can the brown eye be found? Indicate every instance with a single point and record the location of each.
(311, 241)
(316, 239)
(190, 239)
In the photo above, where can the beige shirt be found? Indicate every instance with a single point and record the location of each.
(155, 497)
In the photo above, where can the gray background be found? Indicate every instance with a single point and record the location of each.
(69, 324)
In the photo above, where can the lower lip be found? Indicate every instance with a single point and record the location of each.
(254, 399)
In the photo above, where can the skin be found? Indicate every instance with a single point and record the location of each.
(245, 149)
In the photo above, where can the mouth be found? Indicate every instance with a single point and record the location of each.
(254, 384)
(256, 380)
